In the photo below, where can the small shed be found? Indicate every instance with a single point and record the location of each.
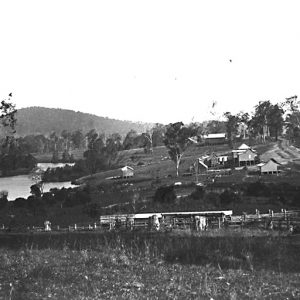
(270, 167)
(247, 157)
(127, 172)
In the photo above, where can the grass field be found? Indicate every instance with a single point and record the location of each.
(222, 265)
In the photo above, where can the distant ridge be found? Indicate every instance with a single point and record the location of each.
(42, 120)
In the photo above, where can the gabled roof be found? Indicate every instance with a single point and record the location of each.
(127, 167)
(244, 147)
(202, 163)
(275, 161)
(270, 160)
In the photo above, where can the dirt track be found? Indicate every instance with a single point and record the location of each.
(282, 152)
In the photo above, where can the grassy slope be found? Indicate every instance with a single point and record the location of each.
(114, 266)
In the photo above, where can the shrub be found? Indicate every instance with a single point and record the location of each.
(165, 194)
(198, 193)
(228, 197)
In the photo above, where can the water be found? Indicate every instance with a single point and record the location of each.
(45, 166)
(19, 186)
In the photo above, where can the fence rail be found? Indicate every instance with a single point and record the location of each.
(272, 220)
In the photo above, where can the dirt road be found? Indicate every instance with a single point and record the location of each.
(283, 152)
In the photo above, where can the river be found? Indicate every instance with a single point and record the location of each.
(19, 186)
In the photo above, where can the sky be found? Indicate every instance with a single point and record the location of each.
(153, 61)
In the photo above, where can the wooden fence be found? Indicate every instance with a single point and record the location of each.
(282, 220)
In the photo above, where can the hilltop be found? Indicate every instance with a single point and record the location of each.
(42, 120)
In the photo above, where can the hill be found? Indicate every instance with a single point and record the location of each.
(41, 120)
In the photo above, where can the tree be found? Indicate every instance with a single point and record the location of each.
(158, 134)
(275, 120)
(292, 120)
(112, 147)
(232, 124)
(148, 136)
(129, 141)
(215, 126)
(66, 135)
(8, 119)
(77, 138)
(94, 156)
(244, 122)
(176, 140)
(267, 120)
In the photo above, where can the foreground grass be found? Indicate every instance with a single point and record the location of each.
(139, 266)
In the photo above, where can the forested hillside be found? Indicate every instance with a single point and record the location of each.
(41, 120)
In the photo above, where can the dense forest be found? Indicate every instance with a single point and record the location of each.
(41, 120)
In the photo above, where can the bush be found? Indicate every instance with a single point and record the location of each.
(20, 202)
(258, 189)
(165, 194)
(198, 193)
(228, 197)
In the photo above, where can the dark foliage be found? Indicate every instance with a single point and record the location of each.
(198, 193)
(66, 173)
(228, 197)
(165, 194)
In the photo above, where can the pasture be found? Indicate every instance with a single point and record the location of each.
(226, 264)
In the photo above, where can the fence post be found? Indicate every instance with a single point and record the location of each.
(95, 226)
(284, 211)
(75, 226)
(219, 222)
(271, 213)
(257, 213)
(57, 227)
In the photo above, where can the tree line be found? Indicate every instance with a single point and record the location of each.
(100, 151)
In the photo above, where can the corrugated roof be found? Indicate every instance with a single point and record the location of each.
(215, 135)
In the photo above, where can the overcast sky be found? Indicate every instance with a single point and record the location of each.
(154, 61)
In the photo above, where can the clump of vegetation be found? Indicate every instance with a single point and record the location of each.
(165, 194)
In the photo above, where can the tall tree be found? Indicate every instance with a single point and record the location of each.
(158, 134)
(232, 124)
(267, 120)
(94, 155)
(77, 138)
(292, 120)
(275, 120)
(244, 122)
(130, 139)
(148, 136)
(176, 140)
(8, 118)
(112, 147)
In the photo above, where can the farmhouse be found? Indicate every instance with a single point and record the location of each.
(127, 172)
(124, 172)
(215, 138)
(270, 167)
(244, 155)
(247, 157)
